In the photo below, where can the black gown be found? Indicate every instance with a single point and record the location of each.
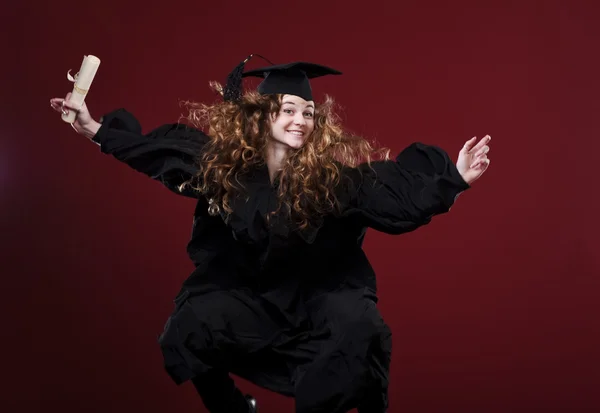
(291, 311)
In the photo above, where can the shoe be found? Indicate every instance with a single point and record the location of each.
(251, 404)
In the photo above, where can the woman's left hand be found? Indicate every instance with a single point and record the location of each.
(472, 159)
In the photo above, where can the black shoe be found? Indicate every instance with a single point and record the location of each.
(251, 404)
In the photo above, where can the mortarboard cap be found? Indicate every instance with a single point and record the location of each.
(289, 79)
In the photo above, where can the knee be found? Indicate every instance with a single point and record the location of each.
(361, 319)
(192, 326)
(365, 332)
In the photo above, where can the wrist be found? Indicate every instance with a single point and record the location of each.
(90, 130)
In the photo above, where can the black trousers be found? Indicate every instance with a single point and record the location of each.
(331, 353)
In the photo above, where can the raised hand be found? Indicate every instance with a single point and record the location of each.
(84, 123)
(472, 159)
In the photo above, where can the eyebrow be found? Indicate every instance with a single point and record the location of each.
(310, 105)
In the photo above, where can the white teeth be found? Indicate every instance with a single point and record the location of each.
(293, 132)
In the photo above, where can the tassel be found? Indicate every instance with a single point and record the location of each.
(233, 85)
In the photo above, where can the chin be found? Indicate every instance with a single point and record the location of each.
(291, 142)
(295, 144)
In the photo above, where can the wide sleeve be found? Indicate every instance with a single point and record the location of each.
(167, 154)
(400, 195)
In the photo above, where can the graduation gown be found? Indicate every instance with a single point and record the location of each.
(292, 311)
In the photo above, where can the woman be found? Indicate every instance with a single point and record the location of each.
(283, 294)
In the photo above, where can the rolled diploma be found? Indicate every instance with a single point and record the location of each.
(82, 82)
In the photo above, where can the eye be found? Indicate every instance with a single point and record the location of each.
(288, 111)
(309, 114)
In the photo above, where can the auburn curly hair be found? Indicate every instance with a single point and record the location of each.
(239, 135)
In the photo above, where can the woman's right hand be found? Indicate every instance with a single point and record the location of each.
(84, 123)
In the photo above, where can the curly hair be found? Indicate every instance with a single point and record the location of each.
(239, 135)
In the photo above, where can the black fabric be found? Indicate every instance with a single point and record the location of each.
(219, 393)
(292, 311)
(167, 154)
(290, 78)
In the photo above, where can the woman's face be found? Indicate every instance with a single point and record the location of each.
(294, 123)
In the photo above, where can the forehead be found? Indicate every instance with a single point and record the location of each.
(297, 101)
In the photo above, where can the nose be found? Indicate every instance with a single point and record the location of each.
(299, 119)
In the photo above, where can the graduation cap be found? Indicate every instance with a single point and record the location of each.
(288, 79)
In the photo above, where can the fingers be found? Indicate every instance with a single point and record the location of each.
(64, 105)
(484, 141)
(68, 105)
(59, 105)
(469, 144)
(59, 101)
(484, 164)
(481, 163)
(483, 151)
(480, 157)
(56, 104)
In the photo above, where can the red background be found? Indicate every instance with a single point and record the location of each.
(494, 306)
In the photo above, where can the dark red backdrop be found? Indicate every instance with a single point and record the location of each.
(494, 307)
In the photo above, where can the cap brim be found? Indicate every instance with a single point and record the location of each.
(311, 70)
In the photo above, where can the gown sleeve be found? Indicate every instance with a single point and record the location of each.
(167, 154)
(398, 196)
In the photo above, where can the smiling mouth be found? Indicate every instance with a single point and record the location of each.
(296, 133)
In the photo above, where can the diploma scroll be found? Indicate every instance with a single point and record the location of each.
(82, 82)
